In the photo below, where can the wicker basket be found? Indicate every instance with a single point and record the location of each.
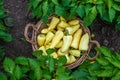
(40, 25)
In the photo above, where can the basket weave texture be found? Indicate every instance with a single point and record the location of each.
(36, 29)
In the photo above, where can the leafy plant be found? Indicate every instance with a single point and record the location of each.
(2, 76)
(106, 67)
(4, 35)
(87, 10)
(44, 67)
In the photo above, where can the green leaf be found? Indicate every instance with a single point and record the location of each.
(55, 2)
(2, 76)
(5, 36)
(85, 64)
(66, 2)
(35, 3)
(101, 60)
(45, 8)
(17, 72)
(115, 62)
(101, 9)
(90, 17)
(118, 20)
(106, 16)
(25, 69)
(38, 12)
(2, 12)
(2, 27)
(80, 74)
(60, 10)
(51, 64)
(45, 19)
(118, 56)
(116, 7)
(37, 53)
(108, 72)
(62, 60)
(116, 70)
(89, 1)
(1, 53)
(72, 12)
(42, 60)
(109, 3)
(46, 74)
(32, 75)
(87, 9)
(105, 51)
(21, 60)
(99, 2)
(38, 73)
(62, 74)
(50, 51)
(116, 77)
(91, 78)
(51, 9)
(33, 63)
(94, 69)
(112, 13)
(81, 10)
(8, 65)
(35, 67)
(117, 0)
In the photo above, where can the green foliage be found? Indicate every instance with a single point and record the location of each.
(106, 66)
(85, 9)
(62, 61)
(42, 67)
(9, 65)
(2, 76)
(50, 51)
(1, 53)
(4, 35)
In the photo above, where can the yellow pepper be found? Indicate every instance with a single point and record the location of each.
(53, 23)
(61, 53)
(73, 22)
(54, 55)
(45, 31)
(56, 39)
(43, 49)
(66, 43)
(59, 44)
(72, 29)
(41, 39)
(62, 19)
(49, 37)
(76, 39)
(75, 53)
(68, 59)
(63, 24)
(84, 42)
(72, 59)
(60, 28)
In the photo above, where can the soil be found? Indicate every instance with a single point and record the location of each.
(17, 9)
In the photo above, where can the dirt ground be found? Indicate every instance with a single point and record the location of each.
(17, 9)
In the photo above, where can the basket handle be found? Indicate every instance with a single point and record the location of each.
(27, 28)
(91, 45)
